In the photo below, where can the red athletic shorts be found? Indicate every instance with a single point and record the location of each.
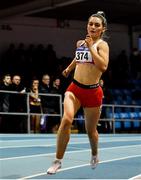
(88, 95)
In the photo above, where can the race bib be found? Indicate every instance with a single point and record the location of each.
(83, 55)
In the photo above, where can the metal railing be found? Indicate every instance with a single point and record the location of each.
(27, 104)
(110, 118)
(122, 116)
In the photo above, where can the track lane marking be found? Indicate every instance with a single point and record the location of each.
(78, 151)
(78, 166)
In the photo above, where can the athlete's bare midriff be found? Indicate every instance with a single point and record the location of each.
(87, 74)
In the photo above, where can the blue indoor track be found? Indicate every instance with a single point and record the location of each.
(29, 156)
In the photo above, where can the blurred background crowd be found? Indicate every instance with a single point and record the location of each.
(36, 69)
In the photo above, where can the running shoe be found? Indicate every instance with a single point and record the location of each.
(94, 161)
(54, 168)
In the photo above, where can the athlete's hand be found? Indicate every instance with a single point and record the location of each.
(66, 72)
(89, 41)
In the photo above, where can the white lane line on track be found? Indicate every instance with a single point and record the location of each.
(114, 138)
(78, 166)
(27, 146)
(137, 177)
(78, 151)
(84, 142)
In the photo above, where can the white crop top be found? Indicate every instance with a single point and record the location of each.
(83, 55)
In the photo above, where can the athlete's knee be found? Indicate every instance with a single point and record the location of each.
(66, 122)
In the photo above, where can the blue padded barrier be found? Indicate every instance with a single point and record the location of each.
(118, 124)
(136, 124)
(127, 124)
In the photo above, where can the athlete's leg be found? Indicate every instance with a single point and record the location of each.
(71, 106)
(92, 116)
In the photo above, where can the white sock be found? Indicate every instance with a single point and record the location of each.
(56, 159)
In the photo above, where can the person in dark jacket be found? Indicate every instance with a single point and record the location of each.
(4, 102)
(47, 106)
(18, 105)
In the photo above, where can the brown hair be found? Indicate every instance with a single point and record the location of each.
(101, 15)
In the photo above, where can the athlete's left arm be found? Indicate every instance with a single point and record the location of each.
(101, 56)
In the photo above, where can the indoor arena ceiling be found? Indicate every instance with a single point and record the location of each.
(117, 11)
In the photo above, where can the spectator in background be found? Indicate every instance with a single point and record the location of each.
(4, 98)
(46, 100)
(56, 89)
(4, 103)
(35, 106)
(45, 89)
(56, 86)
(18, 105)
(103, 126)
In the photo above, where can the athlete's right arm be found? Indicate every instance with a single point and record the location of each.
(70, 67)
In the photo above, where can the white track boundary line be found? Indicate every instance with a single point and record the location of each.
(137, 177)
(26, 146)
(116, 138)
(67, 152)
(78, 166)
(84, 142)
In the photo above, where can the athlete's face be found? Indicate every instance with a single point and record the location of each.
(95, 27)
